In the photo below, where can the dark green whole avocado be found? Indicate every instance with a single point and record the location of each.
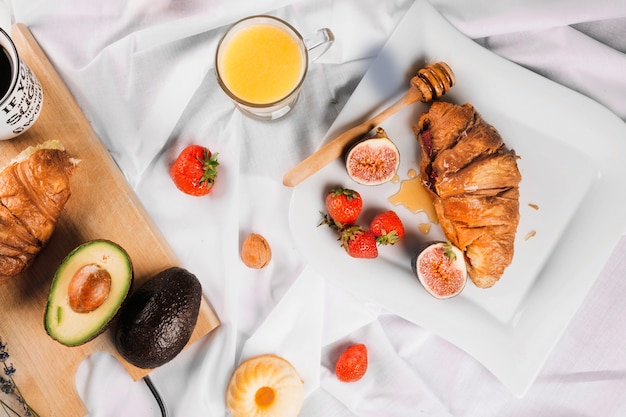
(158, 319)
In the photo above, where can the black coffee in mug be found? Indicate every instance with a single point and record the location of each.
(6, 72)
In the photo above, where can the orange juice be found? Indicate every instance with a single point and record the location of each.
(261, 63)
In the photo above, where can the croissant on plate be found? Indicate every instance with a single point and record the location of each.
(34, 188)
(473, 179)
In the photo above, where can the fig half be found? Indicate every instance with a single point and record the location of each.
(441, 269)
(373, 160)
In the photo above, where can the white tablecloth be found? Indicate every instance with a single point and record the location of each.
(142, 71)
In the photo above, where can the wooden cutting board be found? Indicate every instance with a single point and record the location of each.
(102, 205)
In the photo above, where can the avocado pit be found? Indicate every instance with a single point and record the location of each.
(89, 288)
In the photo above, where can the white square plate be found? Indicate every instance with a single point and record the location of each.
(571, 150)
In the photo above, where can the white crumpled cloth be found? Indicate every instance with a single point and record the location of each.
(142, 71)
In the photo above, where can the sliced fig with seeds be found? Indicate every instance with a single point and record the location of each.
(373, 160)
(441, 269)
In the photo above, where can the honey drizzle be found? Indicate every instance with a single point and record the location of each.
(414, 196)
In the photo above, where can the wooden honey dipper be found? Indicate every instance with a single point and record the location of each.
(431, 82)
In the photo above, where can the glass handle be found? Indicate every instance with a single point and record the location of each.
(318, 43)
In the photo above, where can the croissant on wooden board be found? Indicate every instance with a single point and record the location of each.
(34, 188)
(473, 179)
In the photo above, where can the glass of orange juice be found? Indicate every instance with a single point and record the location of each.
(261, 63)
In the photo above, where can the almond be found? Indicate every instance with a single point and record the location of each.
(255, 251)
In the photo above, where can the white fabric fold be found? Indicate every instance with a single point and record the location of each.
(293, 329)
(480, 18)
(102, 373)
(388, 383)
(563, 53)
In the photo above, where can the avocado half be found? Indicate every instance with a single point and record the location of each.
(87, 291)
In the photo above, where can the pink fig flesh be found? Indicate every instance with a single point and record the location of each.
(441, 269)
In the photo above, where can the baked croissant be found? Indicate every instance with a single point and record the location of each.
(473, 180)
(34, 188)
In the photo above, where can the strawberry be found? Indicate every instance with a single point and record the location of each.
(387, 227)
(359, 242)
(344, 205)
(195, 170)
(352, 363)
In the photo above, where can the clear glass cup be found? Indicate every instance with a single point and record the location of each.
(262, 61)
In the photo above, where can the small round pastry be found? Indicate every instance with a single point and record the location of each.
(265, 386)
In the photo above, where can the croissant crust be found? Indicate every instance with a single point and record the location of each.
(473, 179)
(33, 192)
